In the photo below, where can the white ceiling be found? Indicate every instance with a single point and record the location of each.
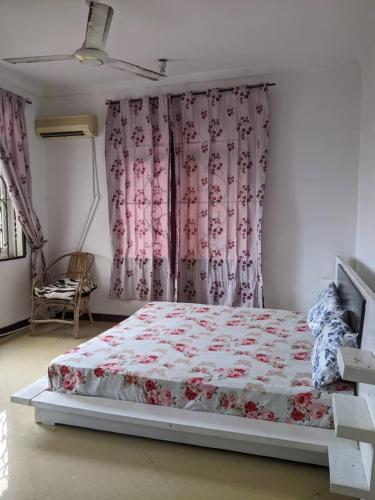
(198, 36)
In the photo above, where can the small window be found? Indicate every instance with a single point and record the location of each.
(12, 239)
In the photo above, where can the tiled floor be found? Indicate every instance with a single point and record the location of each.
(53, 463)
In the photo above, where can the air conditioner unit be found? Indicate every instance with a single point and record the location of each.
(67, 126)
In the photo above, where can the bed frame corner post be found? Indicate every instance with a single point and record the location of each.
(43, 417)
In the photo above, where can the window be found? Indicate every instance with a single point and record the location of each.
(12, 239)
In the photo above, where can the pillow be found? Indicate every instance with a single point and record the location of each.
(326, 306)
(336, 333)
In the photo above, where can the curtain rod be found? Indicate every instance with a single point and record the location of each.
(229, 89)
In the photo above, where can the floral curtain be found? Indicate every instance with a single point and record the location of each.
(15, 169)
(138, 178)
(221, 153)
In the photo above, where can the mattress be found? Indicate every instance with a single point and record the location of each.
(252, 363)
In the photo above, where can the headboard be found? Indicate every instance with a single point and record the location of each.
(352, 300)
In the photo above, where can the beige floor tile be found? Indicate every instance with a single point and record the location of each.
(206, 474)
(3, 385)
(15, 479)
(20, 422)
(52, 463)
(93, 465)
(159, 451)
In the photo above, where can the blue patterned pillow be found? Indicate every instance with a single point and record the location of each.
(336, 333)
(326, 306)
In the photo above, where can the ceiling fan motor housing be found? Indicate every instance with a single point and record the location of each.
(91, 57)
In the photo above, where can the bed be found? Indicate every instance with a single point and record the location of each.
(234, 361)
(248, 370)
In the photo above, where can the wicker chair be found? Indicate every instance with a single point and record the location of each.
(68, 290)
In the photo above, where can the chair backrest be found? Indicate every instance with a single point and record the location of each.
(79, 265)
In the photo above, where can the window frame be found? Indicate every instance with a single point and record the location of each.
(6, 201)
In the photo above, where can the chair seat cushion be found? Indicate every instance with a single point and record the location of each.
(64, 289)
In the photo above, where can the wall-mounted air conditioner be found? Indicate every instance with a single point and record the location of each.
(67, 126)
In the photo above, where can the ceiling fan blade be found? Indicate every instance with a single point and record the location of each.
(136, 70)
(98, 24)
(18, 60)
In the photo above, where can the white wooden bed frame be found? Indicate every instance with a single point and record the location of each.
(271, 439)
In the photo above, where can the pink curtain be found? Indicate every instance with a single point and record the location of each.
(221, 154)
(15, 169)
(138, 178)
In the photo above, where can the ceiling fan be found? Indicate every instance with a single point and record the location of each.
(92, 51)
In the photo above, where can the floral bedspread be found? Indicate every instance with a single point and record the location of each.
(253, 363)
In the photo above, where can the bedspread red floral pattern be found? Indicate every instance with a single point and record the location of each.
(253, 363)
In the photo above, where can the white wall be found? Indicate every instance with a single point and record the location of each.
(15, 274)
(311, 206)
(311, 199)
(366, 192)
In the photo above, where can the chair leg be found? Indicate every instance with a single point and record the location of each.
(88, 309)
(32, 328)
(76, 321)
(32, 317)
